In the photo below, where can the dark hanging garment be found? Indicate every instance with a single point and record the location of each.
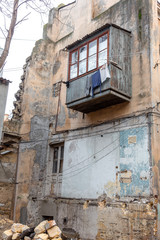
(96, 81)
(89, 86)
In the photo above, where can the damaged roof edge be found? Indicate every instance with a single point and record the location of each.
(66, 5)
(4, 81)
(93, 33)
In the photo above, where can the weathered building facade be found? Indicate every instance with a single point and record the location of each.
(89, 151)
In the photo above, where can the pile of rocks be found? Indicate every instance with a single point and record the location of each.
(5, 223)
(44, 231)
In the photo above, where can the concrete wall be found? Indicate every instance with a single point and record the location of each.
(3, 99)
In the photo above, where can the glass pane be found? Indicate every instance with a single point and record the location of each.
(82, 67)
(61, 166)
(54, 170)
(74, 57)
(83, 52)
(62, 151)
(73, 71)
(92, 47)
(55, 156)
(92, 62)
(103, 42)
(102, 58)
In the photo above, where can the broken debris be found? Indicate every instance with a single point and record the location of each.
(46, 230)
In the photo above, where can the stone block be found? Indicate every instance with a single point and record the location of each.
(7, 235)
(50, 224)
(41, 227)
(54, 232)
(27, 238)
(16, 236)
(41, 236)
(56, 238)
(24, 228)
(17, 227)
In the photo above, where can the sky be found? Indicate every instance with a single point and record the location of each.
(22, 44)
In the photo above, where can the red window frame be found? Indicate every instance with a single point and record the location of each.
(97, 54)
(158, 10)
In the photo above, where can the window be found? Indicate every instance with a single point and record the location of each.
(88, 56)
(58, 154)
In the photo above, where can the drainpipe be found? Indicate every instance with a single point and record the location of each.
(58, 106)
(16, 187)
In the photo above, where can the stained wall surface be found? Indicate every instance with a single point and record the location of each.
(114, 162)
(46, 120)
(8, 166)
(3, 99)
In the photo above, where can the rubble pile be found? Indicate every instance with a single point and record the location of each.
(46, 230)
(5, 223)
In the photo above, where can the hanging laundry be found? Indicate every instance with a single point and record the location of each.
(104, 72)
(88, 86)
(96, 81)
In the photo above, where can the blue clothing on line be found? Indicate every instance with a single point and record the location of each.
(96, 81)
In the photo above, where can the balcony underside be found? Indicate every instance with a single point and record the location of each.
(99, 101)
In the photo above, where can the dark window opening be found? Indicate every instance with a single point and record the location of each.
(58, 155)
(47, 218)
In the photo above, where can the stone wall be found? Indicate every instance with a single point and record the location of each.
(104, 218)
(8, 167)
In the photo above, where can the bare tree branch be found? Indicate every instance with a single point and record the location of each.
(9, 9)
(3, 32)
(10, 34)
(24, 2)
(23, 19)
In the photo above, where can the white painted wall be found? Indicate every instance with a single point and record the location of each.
(95, 164)
(89, 165)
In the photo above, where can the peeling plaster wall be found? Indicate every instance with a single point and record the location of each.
(134, 157)
(112, 159)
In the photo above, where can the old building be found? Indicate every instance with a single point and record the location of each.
(89, 111)
(4, 83)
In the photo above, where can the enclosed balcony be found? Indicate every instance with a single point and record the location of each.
(109, 47)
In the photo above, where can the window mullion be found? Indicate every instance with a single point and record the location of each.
(78, 64)
(69, 72)
(97, 51)
(108, 47)
(87, 56)
(58, 163)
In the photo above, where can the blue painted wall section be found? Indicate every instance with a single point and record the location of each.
(134, 162)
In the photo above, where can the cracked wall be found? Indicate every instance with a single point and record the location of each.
(46, 120)
(8, 166)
